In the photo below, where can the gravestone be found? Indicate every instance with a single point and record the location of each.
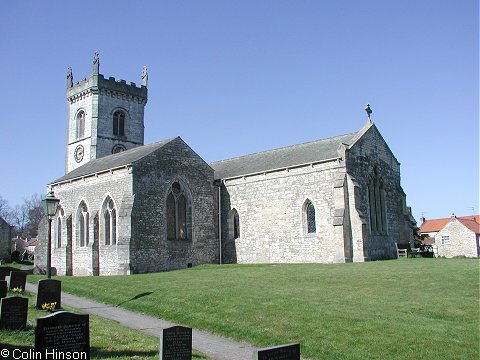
(65, 334)
(282, 352)
(13, 313)
(3, 288)
(49, 291)
(176, 343)
(18, 280)
(4, 271)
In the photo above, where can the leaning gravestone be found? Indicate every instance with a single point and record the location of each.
(18, 280)
(49, 291)
(283, 352)
(176, 343)
(64, 334)
(4, 271)
(3, 288)
(13, 313)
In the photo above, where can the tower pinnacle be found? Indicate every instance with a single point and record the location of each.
(96, 64)
(144, 76)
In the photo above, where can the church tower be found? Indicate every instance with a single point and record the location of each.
(105, 116)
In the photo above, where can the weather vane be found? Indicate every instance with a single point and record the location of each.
(368, 111)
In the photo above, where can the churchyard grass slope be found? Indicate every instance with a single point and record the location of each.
(409, 308)
(108, 340)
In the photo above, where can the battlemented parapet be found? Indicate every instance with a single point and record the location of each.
(98, 82)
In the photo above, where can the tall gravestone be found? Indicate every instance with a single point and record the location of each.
(4, 271)
(176, 343)
(18, 280)
(49, 291)
(3, 288)
(283, 352)
(64, 335)
(13, 313)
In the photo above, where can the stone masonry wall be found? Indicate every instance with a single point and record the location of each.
(273, 225)
(368, 152)
(85, 103)
(463, 241)
(154, 174)
(108, 103)
(95, 257)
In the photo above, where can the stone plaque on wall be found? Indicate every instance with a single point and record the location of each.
(49, 291)
(283, 352)
(176, 343)
(13, 313)
(65, 334)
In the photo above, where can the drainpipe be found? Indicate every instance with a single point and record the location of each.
(219, 184)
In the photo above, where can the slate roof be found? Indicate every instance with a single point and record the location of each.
(113, 161)
(305, 153)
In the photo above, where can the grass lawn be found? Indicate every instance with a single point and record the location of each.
(401, 309)
(108, 340)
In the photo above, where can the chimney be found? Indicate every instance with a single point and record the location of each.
(422, 220)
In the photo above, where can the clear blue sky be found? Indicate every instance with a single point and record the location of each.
(236, 77)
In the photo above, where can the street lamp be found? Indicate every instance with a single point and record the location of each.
(50, 204)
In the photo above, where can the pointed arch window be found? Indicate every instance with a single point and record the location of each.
(234, 224)
(178, 213)
(58, 227)
(83, 231)
(310, 217)
(376, 204)
(109, 222)
(59, 232)
(119, 123)
(80, 124)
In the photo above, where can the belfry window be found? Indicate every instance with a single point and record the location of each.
(109, 222)
(178, 213)
(119, 123)
(310, 217)
(80, 124)
(82, 225)
(376, 203)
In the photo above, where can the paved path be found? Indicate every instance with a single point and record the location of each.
(213, 346)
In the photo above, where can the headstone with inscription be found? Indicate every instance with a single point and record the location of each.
(282, 352)
(65, 334)
(49, 291)
(176, 343)
(13, 313)
(3, 288)
(18, 280)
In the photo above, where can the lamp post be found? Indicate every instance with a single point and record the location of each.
(50, 204)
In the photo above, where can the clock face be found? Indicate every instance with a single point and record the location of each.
(79, 153)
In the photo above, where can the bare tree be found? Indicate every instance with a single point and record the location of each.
(4, 208)
(26, 217)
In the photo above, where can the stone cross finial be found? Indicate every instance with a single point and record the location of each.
(144, 76)
(368, 111)
(69, 78)
(96, 64)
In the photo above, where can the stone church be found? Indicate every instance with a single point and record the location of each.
(126, 207)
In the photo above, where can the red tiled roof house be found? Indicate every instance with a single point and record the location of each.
(453, 236)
